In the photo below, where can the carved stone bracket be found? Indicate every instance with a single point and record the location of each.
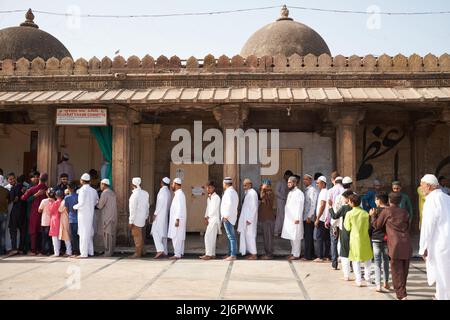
(231, 116)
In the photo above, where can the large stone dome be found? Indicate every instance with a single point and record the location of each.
(285, 36)
(30, 42)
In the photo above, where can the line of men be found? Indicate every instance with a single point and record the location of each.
(336, 214)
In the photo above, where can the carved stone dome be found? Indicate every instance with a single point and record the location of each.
(285, 36)
(30, 42)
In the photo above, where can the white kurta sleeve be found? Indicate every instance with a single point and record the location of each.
(428, 224)
(225, 207)
(253, 208)
(81, 200)
(215, 206)
(301, 203)
(208, 204)
(133, 206)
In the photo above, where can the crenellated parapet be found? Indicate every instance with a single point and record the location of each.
(224, 64)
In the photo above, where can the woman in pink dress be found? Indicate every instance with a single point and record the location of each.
(55, 220)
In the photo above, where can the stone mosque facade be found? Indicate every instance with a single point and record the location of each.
(370, 117)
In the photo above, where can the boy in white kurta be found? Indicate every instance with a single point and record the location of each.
(161, 218)
(293, 218)
(248, 221)
(435, 236)
(212, 221)
(177, 220)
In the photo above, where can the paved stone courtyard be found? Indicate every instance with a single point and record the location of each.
(24, 277)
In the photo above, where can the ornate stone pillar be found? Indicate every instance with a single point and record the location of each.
(422, 129)
(328, 130)
(346, 122)
(47, 149)
(121, 119)
(445, 117)
(231, 117)
(149, 133)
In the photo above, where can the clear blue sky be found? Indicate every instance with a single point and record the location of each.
(345, 34)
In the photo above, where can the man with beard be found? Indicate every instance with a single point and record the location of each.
(293, 220)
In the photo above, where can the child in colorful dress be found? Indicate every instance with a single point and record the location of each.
(44, 210)
(64, 227)
(55, 220)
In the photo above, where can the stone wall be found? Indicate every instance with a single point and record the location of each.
(383, 152)
(278, 64)
(437, 153)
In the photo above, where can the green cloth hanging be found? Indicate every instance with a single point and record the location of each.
(103, 135)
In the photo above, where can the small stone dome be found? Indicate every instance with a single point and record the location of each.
(285, 36)
(30, 42)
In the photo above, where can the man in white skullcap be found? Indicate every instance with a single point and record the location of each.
(177, 220)
(321, 230)
(161, 218)
(212, 221)
(435, 236)
(228, 213)
(139, 206)
(66, 167)
(87, 199)
(248, 221)
(293, 218)
(108, 210)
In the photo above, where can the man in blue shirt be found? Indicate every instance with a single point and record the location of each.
(368, 200)
(70, 200)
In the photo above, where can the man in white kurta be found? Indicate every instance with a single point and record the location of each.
(177, 220)
(281, 191)
(293, 219)
(161, 218)
(228, 214)
(139, 206)
(435, 236)
(248, 221)
(212, 221)
(87, 200)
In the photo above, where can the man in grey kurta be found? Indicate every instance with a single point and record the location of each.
(108, 206)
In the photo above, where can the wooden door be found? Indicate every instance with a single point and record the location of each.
(290, 159)
(194, 177)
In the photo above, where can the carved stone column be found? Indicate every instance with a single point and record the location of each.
(149, 133)
(445, 116)
(231, 117)
(47, 149)
(121, 119)
(422, 129)
(346, 122)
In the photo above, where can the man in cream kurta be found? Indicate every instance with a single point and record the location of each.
(161, 218)
(87, 200)
(248, 221)
(139, 205)
(108, 206)
(212, 221)
(281, 194)
(435, 236)
(177, 221)
(293, 219)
